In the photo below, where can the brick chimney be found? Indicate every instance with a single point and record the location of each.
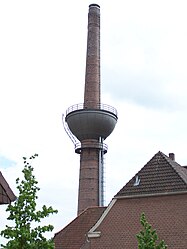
(92, 77)
(89, 158)
(172, 156)
(91, 122)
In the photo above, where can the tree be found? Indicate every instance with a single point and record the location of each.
(27, 233)
(148, 238)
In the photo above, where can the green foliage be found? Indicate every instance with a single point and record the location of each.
(148, 238)
(25, 234)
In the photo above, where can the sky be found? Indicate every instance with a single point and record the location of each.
(42, 73)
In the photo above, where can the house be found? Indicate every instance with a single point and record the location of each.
(159, 190)
(6, 194)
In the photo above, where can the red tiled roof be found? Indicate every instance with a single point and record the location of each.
(161, 175)
(74, 234)
(6, 194)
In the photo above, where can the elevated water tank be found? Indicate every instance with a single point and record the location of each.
(91, 123)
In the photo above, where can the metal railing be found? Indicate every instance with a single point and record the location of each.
(80, 106)
(101, 146)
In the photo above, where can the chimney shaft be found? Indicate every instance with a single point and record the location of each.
(89, 158)
(92, 77)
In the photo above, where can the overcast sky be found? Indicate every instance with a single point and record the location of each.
(42, 71)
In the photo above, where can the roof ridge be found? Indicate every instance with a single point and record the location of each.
(177, 167)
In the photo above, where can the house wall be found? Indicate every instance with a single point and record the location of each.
(166, 214)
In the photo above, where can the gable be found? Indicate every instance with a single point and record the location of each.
(161, 175)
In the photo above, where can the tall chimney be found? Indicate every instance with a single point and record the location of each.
(92, 77)
(91, 122)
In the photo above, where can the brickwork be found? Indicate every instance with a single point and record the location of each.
(92, 78)
(89, 159)
(88, 179)
(166, 214)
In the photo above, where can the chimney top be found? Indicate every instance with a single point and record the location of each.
(94, 5)
(172, 156)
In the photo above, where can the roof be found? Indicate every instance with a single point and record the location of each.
(6, 194)
(161, 175)
(74, 234)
